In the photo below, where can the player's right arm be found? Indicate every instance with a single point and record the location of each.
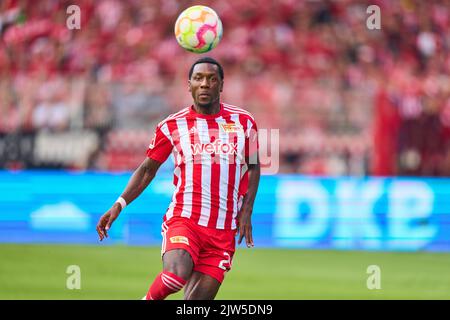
(140, 179)
(157, 153)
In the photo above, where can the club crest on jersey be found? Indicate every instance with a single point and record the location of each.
(230, 127)
(179, 239)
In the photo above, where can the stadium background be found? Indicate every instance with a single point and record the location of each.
(364, 130)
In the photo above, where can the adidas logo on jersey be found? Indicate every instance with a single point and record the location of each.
(193, 130)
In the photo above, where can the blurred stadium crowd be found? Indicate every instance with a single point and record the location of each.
(347, 100)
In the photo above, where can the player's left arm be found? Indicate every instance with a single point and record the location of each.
(245, 214)
(254, 173)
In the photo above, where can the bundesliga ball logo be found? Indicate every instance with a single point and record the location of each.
(198, 29)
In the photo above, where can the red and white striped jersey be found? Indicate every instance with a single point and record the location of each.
(211, 155)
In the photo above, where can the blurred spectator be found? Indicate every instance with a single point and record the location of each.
(52, 111)
(98, 112)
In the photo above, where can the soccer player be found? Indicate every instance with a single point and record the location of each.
(216, 178)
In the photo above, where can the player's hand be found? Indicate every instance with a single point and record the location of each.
(245, 226)
(106, 220)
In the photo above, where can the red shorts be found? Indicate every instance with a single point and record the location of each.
(211, 250)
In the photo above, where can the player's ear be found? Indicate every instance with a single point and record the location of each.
(221, 86)
(189, 86)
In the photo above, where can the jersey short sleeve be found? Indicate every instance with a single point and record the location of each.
(251, 142)
(251, 153)
(160, 147)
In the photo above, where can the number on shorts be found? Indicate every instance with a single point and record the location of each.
(227, 261)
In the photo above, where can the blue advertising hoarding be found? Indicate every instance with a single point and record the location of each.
(405, 214)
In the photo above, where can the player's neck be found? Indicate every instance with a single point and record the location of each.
(211, 109)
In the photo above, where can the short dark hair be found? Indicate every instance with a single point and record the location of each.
(207, 60)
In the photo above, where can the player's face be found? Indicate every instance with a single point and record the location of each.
(205, 84)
